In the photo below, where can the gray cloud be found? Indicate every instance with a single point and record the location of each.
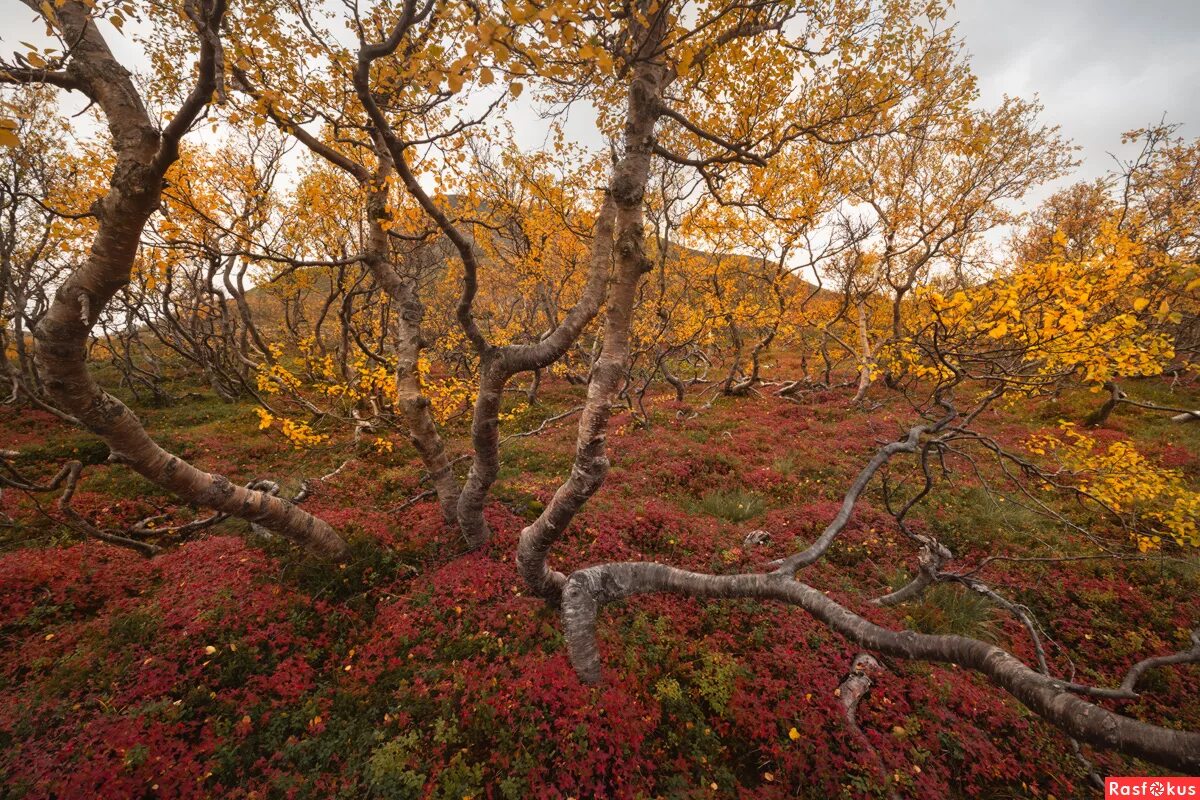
(1100, 67)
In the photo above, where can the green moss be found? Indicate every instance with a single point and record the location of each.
(391, 771)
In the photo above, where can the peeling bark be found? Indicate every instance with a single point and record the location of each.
(856, 685)
(628, 187)
(588, 589)
(850, 693)
(143, 157)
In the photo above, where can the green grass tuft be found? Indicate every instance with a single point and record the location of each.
(733, 505)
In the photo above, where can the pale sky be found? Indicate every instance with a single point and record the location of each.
(1100, 67)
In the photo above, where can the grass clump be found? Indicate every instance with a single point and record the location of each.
(732, 505)
(952, 609)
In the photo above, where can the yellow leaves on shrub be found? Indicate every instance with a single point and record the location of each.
(1059, 317)
(271, 379)
(508, 416)
(301, 435)
(1155, 499)
(446, 395)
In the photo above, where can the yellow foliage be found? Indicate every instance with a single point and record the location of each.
(446, 395)
(1155, 499)
(1051, 319)
(301, 435)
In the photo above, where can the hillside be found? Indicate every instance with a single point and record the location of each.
(235, 666)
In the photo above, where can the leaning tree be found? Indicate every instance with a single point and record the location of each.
(144, 149)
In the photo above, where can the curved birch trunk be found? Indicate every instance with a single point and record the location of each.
(629, 179)
(417, 410)
(589, 589)
(143, 157)
(1056, 701)
(498, 365)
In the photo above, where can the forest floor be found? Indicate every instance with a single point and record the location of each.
(234, 666)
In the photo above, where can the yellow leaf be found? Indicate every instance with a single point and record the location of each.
(1140, 304)
(516, 88)
(1000, 330)
(793, 734)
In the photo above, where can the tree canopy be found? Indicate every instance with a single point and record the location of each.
(328, 217)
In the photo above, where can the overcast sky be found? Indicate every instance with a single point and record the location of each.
(1100, 67)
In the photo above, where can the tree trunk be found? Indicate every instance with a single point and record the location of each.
(591, 461)
(864, 347)
(143, 156)
(417, 410)
(590, 588)
(418, 413)
(485, 439)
